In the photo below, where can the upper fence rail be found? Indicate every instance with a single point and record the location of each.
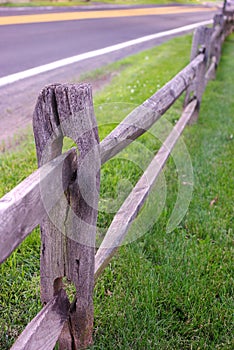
(54, 190)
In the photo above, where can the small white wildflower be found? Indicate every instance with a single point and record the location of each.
(132, 91)
(146, 57)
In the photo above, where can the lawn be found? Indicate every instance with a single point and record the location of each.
(35, 3)
(166, 289)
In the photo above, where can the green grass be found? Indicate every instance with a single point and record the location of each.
(36, 3)
(165, 290)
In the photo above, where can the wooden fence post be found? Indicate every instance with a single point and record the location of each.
(229, 25)
(216, 46)
(201, 44)
(69, 230)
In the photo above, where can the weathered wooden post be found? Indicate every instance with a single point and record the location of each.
(216, 45)
(229, 25)
(69, 230)
(200, 45)
(216, 40)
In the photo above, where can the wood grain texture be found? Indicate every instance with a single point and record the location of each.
(210, 74)
(22, 209)
(218, 36)
(228, 25)
(63, 194)
(201, 43)
(144, 116)
(134, 202)
(68, 233)
(43, 331)
(49, 141)
(215, 47)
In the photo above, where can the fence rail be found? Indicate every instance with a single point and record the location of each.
(63, 192)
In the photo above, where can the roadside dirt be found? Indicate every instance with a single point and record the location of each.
(17, 105)
(17, 101)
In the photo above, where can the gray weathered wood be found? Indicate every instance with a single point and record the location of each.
(144, 116)
(210, 74)
(69, 230)
(201, 43)
(43, 331)
(217, 31)
(216, 44)
(215, 47)
(228, 25)
(22, 209)
(218, 36)
(134, 202)
(135, 124)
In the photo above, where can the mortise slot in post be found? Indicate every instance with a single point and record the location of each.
(64, 116)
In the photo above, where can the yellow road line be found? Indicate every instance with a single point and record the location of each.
(71, 16)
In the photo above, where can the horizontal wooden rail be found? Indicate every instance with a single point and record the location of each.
(22, 209)
(134, 202)
(26, 206)
(134, 125)
(144, 116)
(26, 197)
(43, 331)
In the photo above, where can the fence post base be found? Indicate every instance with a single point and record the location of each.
(68, 233)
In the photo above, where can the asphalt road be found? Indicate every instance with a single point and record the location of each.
(24, 46)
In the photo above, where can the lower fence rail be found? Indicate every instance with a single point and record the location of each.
(62, 195)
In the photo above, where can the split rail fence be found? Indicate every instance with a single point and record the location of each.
(62, 195)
